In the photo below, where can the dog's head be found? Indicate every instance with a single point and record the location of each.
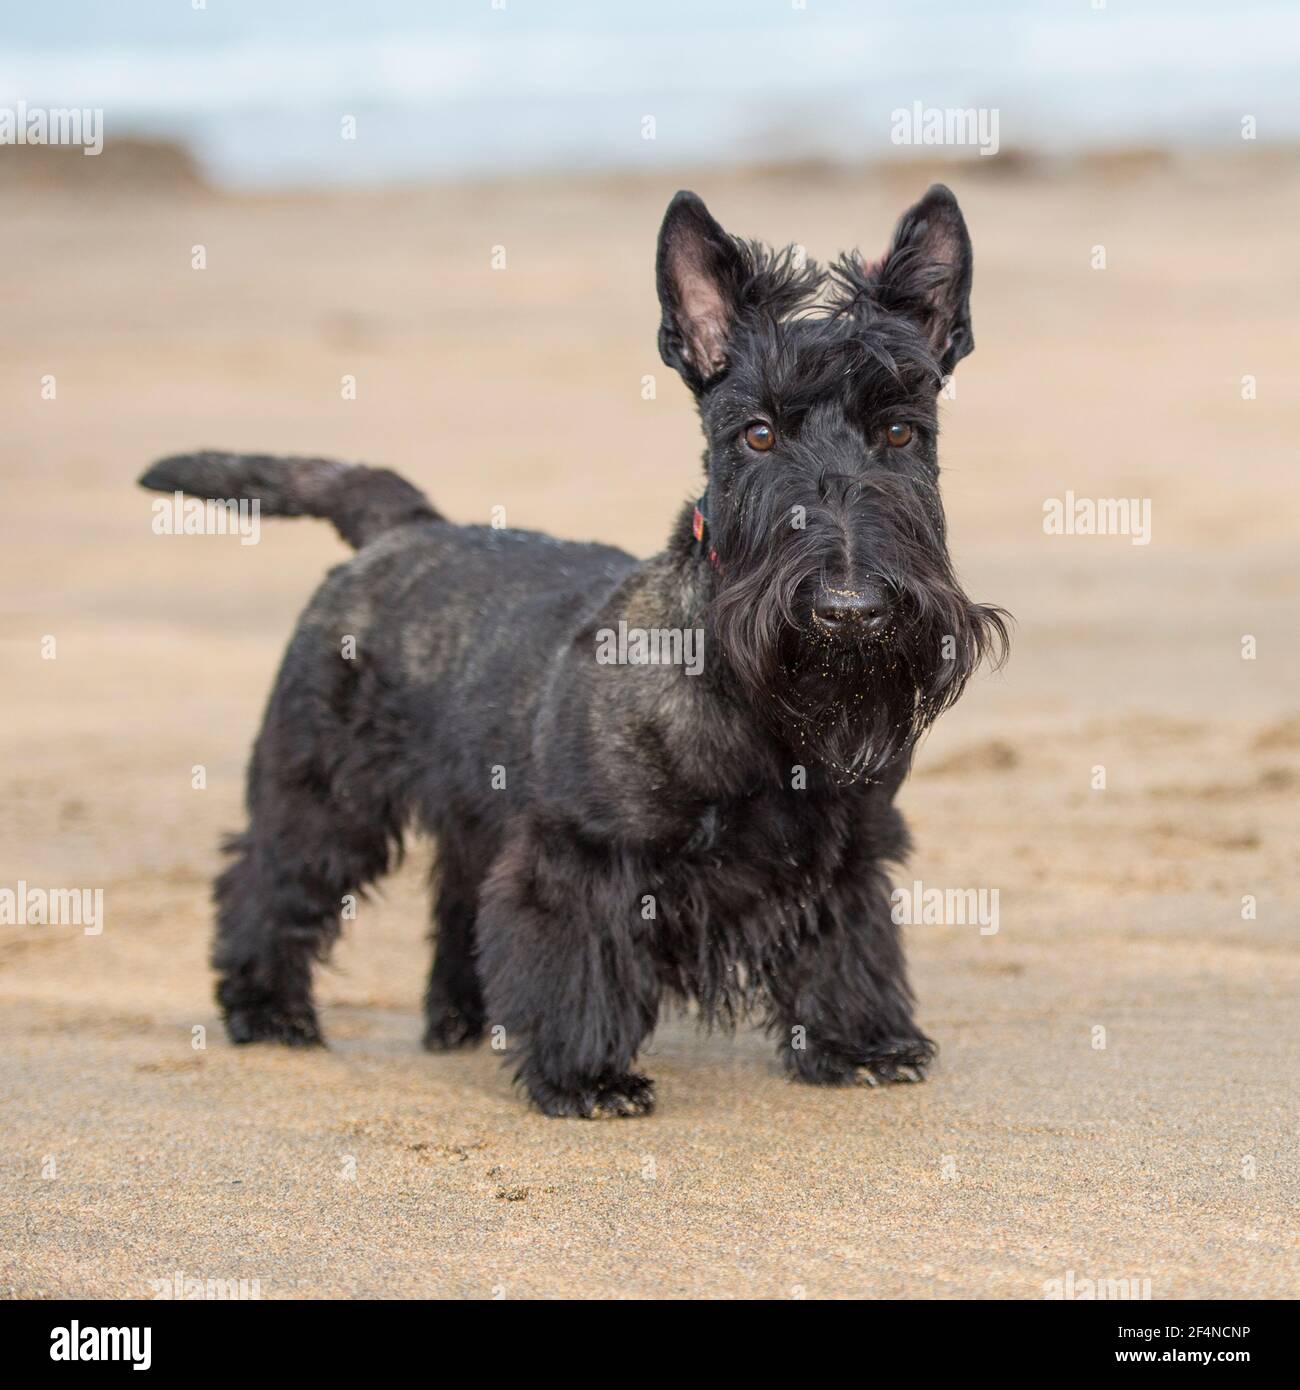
(834, 599)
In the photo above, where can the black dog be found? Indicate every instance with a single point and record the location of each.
(617, 819)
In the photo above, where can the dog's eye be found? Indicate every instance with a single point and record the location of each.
(898, 435)
(760, 436)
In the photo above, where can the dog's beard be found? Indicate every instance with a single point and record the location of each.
(855, 703)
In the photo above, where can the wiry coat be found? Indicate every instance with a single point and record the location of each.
(612, 834)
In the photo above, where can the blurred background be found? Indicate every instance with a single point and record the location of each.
(472, 88)
(477, 261)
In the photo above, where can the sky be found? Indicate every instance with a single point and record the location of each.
(260, 90)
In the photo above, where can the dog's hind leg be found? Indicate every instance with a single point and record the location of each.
(453, 1002)
(843, 1009)
(278, 910)
(321, 827)
(566, 976)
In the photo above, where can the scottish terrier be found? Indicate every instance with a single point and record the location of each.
(661, 779)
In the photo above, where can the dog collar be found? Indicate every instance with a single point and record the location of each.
(700, 529)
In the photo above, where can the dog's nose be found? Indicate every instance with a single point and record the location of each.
(865, 611)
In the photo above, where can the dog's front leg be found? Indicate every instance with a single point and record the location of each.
(568, 973)
(844, 1010)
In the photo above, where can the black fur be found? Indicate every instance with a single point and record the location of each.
(610, 835)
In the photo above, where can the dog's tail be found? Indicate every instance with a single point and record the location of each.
(361, 502)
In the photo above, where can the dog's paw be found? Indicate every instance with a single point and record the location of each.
(625, 1095)
(267, 1023)
(450, 1029)
(896, 1062)
(610, 1097)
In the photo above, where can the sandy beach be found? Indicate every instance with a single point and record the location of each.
(1115, 1091)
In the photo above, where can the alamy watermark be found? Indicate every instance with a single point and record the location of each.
(44, 125)
(91, 1343)
(945, 907)
(1098, 516)
(179, 515)
(24, 906)
(945, 125)
(651, 646)
(1075, 1287)
(183, 1286)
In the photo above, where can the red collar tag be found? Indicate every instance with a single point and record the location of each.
(699, 528)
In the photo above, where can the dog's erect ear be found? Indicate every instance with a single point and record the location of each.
(927, 273)
(701, 274)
